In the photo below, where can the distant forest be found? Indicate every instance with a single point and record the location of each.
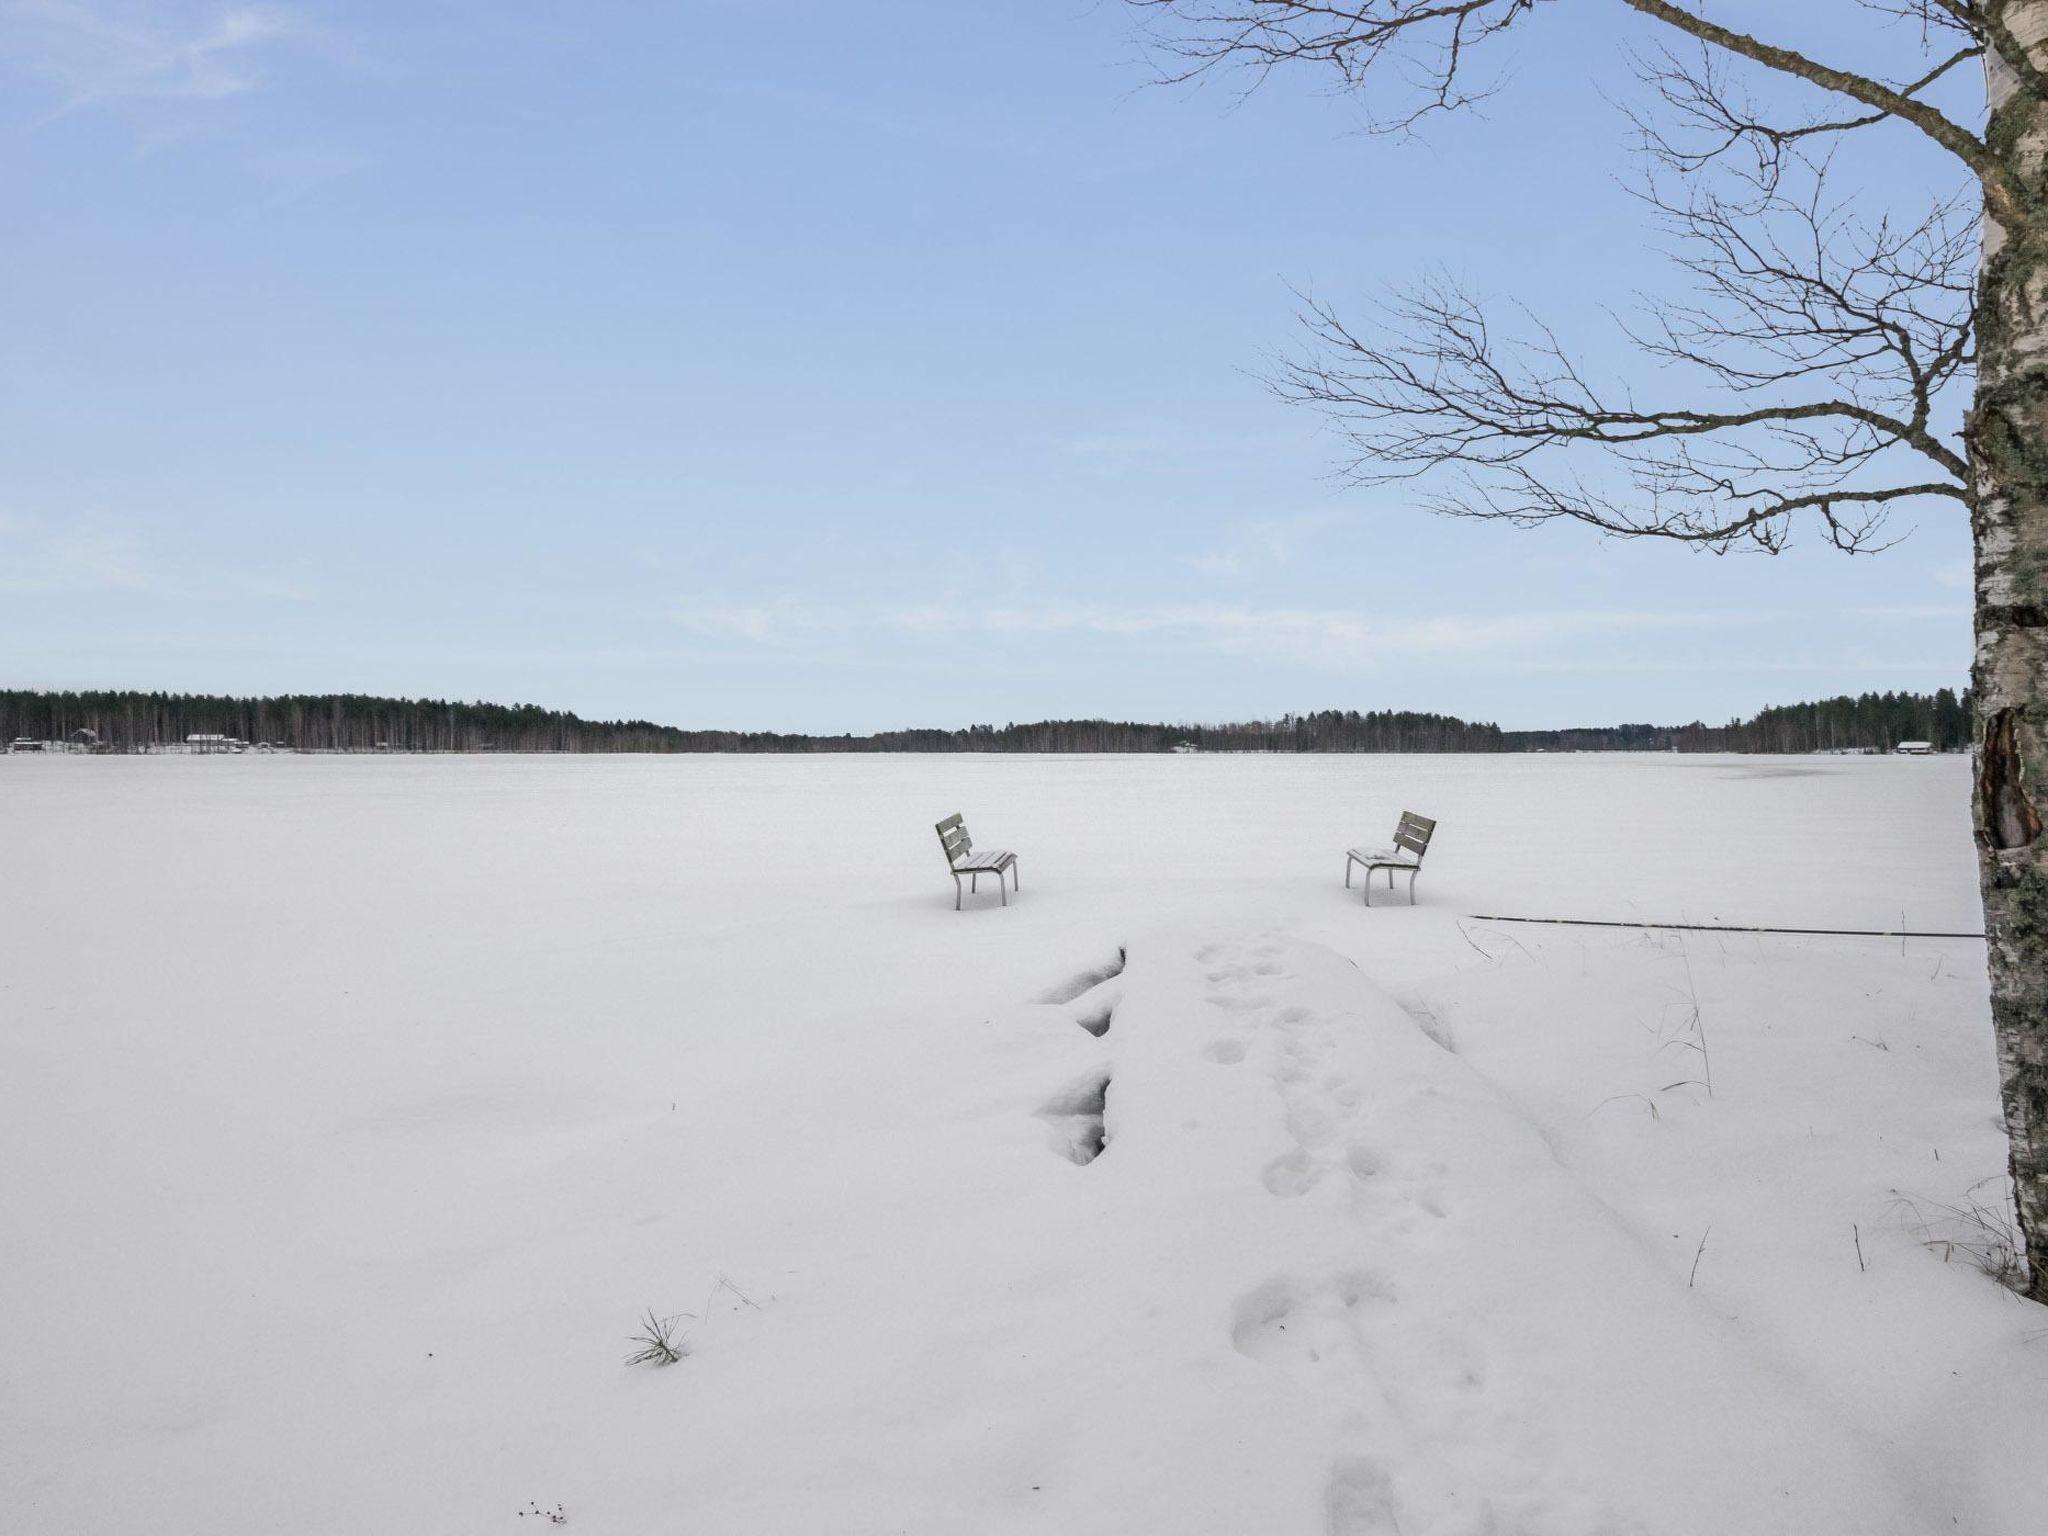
(141, 722)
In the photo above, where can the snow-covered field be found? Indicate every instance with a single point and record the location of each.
(355, 1110)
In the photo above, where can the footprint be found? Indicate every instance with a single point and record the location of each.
(1231, 1004)
(1363, 1162)
(1309, 1126)
(1355, 1287)
(1300, 1328)
(1292, 1173)
(1227, 1051)
(1078, 1119)
(1085, 981)
(1262, 1316)
(1359, 1500)
(1266, 968)
(1294, 1014)
(1295, 1065)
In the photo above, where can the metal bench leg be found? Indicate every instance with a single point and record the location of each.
(1016, 879)
(1002, 888)
(1348, 862)
(1411, 887)
(956, 893)
(1365, 887)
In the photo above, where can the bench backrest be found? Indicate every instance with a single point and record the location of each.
(954, 840)
(1413, 834)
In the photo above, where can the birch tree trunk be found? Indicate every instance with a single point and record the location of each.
(2008, 441)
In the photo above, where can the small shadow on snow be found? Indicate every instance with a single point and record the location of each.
(1431, 1023)
(1095, 1008)
(1078, 1118)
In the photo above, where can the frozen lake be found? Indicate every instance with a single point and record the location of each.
(356, 1108)
(1803, 841)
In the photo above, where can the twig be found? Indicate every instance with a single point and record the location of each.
(1696, 1257)
(1596, 922)
(1648, 1103)
(725, 1284)
(1474, 943)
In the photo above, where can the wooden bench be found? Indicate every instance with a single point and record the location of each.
(963, 860)
(1411, 842)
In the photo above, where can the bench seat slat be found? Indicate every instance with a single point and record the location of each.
(989, 860)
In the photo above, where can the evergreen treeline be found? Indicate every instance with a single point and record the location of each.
(1879, 720)
(129, 722)
(1870, 722)
(340, 722)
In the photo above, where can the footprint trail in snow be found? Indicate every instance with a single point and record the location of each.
(1417, 1446)
(1313, 1247)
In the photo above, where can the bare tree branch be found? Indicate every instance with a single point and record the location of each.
(1892, 101)
(1823, 353)
(1431, 39)
(1434, 39)
(1820, 358)
(1791, 290)
(1852, 521)
(1719, 116)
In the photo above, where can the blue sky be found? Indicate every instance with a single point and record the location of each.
(797, 365)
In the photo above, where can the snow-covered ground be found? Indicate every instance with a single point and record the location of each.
(353, 1111)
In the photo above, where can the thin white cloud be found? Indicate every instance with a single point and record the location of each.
(97, 554)
(89, 555)
(1261, 543)
(110, 52)
(1936, 611)
(1315, 636)
(1160, 449)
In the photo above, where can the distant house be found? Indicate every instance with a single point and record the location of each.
(23, 744)
(206, 741)
(84, 739)
(1915, 748)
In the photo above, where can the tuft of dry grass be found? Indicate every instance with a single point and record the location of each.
(1979, 1233)
(659, 1342)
